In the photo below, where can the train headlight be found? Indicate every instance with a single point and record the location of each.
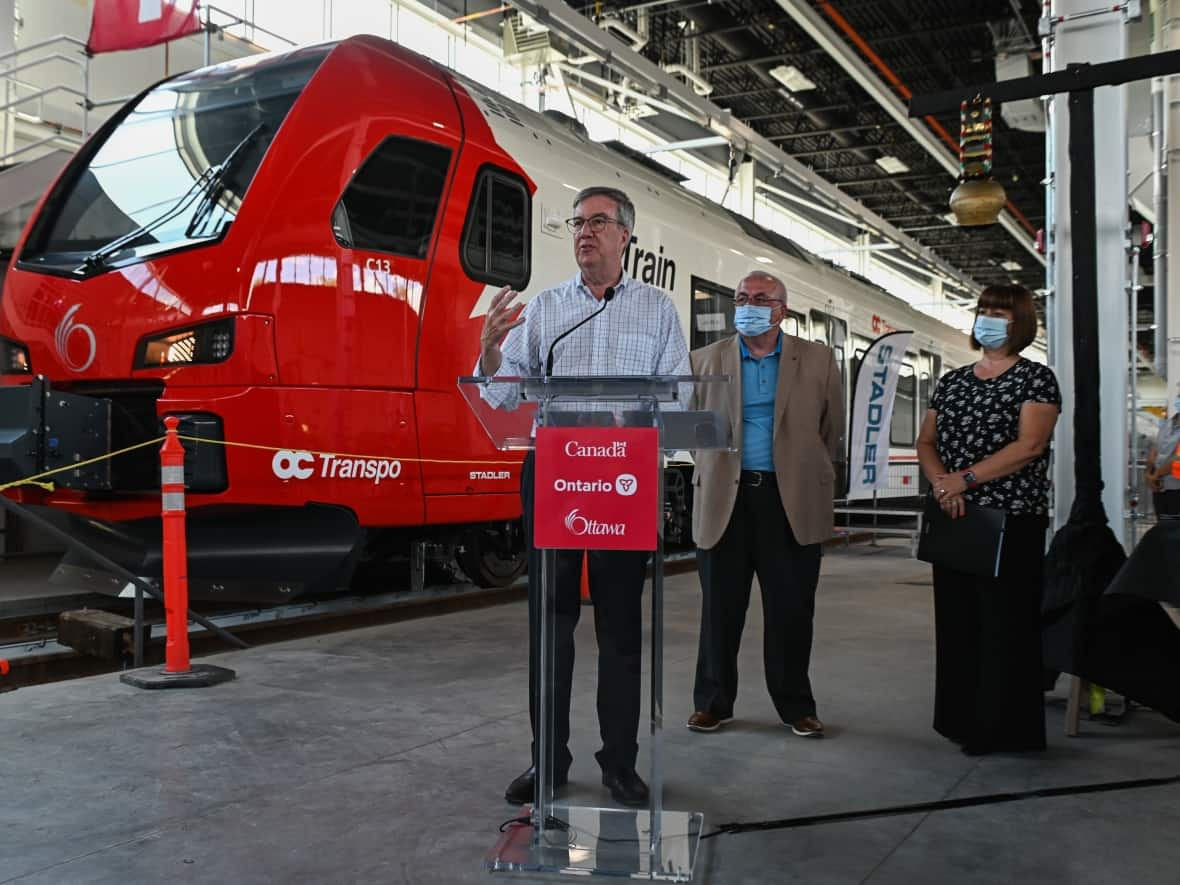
(14, 358)
(207, 343)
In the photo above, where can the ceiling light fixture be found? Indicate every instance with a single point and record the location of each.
(892, 164)
(791, 77)
(1011, 265)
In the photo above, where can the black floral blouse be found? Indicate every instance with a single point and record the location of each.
(977, 418)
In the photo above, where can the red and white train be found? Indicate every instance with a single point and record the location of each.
(294, 253)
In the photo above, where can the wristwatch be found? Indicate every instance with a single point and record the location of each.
(969, 478)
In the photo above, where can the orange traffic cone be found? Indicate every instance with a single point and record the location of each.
(586, 600)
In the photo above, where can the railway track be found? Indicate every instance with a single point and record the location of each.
(30, 642)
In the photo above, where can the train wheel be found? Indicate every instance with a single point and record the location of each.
(493, 556)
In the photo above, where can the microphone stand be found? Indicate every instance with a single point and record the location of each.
(606, 299)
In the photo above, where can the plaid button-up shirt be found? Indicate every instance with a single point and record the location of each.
(638, 333)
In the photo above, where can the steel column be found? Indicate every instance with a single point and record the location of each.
(1092, 41)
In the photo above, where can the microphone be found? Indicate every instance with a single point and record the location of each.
(606, 299)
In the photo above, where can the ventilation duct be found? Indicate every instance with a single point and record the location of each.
(1014, 45)
(528, 43)
(624, 32)
(1027, 114)
(699, 84)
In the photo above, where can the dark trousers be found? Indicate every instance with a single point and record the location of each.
(616, 586)
(1166, 503)
(988, 671)
(758, 540)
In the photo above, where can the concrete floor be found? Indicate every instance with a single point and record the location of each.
(381, 755)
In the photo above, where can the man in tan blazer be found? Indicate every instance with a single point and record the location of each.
(765, 508)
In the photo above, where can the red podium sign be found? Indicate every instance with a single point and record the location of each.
(596, 488)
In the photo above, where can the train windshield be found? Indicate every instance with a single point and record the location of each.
(174, 171)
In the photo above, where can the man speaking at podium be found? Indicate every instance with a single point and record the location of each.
(620, 326)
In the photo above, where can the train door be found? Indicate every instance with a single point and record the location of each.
(346, 258)
(929, 371)
(489, 219)
(903, 433)
(485, 243)
(833, 332)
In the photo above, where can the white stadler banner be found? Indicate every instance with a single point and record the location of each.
(872, 412)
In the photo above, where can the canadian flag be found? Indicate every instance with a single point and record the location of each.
(133, 24)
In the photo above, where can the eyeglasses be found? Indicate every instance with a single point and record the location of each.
(758, 300)
(596, 223)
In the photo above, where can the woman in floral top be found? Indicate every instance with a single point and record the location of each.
(985, 440)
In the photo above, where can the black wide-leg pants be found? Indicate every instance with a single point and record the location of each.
(988, 692)
(758, 540)
(616, 587)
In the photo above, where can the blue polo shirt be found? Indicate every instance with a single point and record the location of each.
(759, 380)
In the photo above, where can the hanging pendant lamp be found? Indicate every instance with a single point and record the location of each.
(979, 198)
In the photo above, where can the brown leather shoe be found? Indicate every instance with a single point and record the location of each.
(808, 727)
(702, 720)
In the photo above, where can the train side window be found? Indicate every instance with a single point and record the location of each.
(392, 202)
(496, 247)
(858, 357)
(839, 346)
(712, 312)
(924, 390)
(901, 430)
(839, 332)
(794, 322)
(860, 346)
(800, 322)
(819, 327)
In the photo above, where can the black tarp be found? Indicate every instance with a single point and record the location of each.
(1123, 639)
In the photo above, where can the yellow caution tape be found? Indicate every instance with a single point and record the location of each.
(222, 442)
(38, 478)
(35, 479)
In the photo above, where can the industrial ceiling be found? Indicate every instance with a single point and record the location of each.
(763, 61)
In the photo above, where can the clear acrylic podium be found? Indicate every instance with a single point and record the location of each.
(649, 843)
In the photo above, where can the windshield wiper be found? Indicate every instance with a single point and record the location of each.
(216, 186)
(205, 184)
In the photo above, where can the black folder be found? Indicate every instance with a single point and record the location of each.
(969, 544)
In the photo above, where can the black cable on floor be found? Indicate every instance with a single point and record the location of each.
(941, 805)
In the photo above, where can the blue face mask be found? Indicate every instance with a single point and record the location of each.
(752, 321)
(991, 332)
